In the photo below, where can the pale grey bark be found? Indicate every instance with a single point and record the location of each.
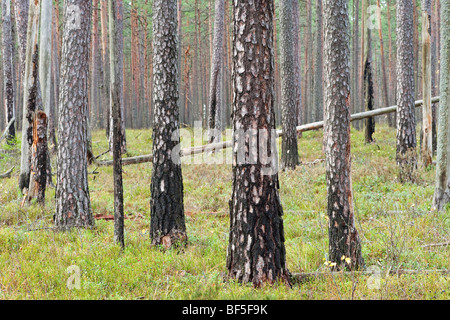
(215, 89)
(8, 69)
(427, 119)
(442, 188)
(30, 83)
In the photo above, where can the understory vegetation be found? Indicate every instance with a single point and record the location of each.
(398, 230)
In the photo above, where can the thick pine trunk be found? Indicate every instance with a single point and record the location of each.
(73, 207)
(256, 251)
(289, 145)
(343, 236)
(167, 225)
(406, 121)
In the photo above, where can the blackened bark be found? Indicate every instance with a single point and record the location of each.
(343, 236)
(289, 144)
(116, 108)
(256, 251)
(72, 193)
(167, 225)
(406, 121)
(39, 158)
(369, 91)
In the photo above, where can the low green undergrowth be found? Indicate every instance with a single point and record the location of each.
(395, 223)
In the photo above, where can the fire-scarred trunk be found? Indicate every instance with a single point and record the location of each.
(256, 251)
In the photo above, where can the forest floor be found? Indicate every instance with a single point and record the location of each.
(394, 220)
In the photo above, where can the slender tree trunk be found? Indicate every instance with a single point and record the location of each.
(31, 92)
(318, 78)
(427, 142)
(105, 69)
(297, 66)
(45, 60)
(215, 98)
(367, 73)
(307, 71)
(356, 102)
(167, 225)
(343, 236)
(406, 121)
(289, 145)
(116, 109)
(8, 69)
(392, 77)
(73, 207)
(21, 15)
(385, 95)
(442, 188)
(256, 251)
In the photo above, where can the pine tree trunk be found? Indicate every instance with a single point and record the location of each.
(31, 92)
(318, 78)
(406, 121)
(442, 188)
(8, 69)
(427, 142)
(167, 225)
(39, 158)
(115, 55)
(256, 251)
(385, 94)
(215, 100)
(72, 192)
(356, 103)
(289, 144)
(21, 17)
(297, 66)
(343, 236)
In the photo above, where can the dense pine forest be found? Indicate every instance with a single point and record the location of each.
(224, 150)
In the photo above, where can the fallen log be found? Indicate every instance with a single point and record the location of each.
(227, 144)
(7, 174)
